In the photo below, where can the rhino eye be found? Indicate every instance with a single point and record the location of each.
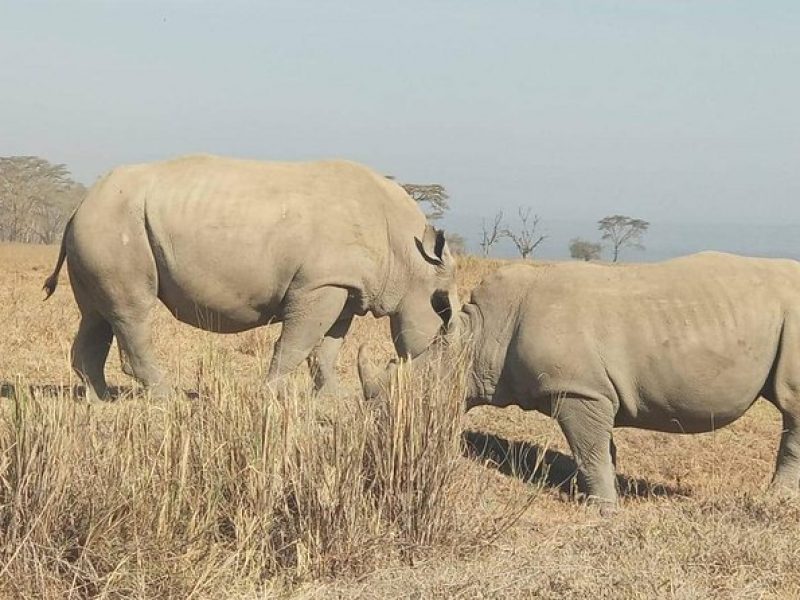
(440, 301)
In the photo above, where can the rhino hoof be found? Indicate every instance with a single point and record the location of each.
(608, 510)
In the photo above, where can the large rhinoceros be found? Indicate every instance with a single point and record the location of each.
(228, 245)
(682, 346)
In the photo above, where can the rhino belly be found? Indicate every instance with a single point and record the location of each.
(214, 306)
(224, 287)
(686, 414)
(694, 395)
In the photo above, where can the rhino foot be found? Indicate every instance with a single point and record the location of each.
(783, 489)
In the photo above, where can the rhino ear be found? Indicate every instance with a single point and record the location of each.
(432, 246)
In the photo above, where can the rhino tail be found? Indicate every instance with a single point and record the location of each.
(51, 282)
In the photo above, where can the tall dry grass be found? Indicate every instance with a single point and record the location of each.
(233, 493)
(236, 490)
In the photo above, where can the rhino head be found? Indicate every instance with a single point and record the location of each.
(452, 348)
(429, 298)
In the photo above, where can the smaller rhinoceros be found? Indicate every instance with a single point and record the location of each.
(682, 346)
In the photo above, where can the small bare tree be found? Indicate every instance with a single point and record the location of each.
(528, 238)
(622, 231)
(491, 232)
(581, 249)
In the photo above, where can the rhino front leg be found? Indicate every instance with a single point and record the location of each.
(322, 361)
(309, 315)
(587, 425)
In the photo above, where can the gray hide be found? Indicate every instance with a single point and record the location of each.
(682, 346)
(228, 245)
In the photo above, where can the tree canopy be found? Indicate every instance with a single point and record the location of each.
(622, 231)
(432, 194)
(581, 249)
(36, 199)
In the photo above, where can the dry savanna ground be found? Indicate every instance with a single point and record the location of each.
(229, 492)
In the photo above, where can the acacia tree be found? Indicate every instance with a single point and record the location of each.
(581, 249)
(36, 198)
(622, 231)
(432, 194)
(527, 239)
(50, 216)
(491, 233)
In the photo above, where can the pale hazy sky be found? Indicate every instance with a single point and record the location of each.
(668, 111)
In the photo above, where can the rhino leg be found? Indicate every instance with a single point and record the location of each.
(309, 315)
(787, 468)
(136, 352)
(89, 352)
(322, 361)
(783, 390)
(587, 425)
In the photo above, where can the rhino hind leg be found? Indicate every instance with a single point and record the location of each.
(787, 464)
(136, 353)
(588, 425)
(787, 468)
(322, 361)
(783, 390)
(89, 352)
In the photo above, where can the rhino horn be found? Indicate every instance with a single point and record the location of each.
(372, 380)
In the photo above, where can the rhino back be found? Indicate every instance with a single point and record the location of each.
(683, 345)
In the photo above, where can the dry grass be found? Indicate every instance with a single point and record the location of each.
(232, 493)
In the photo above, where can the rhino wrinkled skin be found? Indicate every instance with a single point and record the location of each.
(684, 346)
(228, 245)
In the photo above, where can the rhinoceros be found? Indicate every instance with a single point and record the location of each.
(228, 245)
(684, 346)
